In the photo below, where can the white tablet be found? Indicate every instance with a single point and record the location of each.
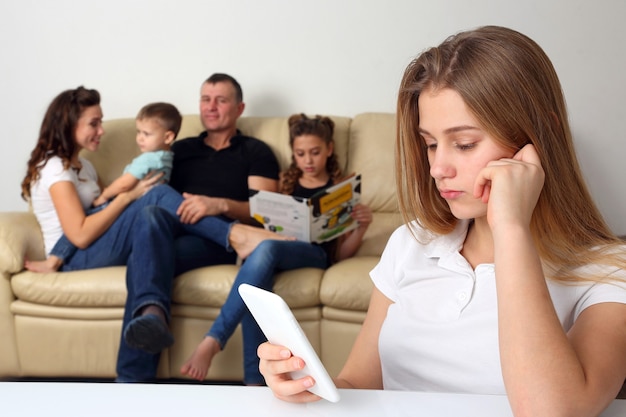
(281, 328)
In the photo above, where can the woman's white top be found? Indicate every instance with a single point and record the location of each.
(85, 181)
(441, 332)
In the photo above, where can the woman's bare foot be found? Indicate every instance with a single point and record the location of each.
(244, 239)
(197, 366)
(52, 264)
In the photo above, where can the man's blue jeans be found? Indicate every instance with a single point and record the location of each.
(143, 238)
(259, 270)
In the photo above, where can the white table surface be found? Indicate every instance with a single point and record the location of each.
(69, 399)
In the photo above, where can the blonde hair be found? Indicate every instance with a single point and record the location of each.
(509, 84)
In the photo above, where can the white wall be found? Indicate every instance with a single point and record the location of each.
(337, 57)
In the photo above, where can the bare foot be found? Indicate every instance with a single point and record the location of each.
(52, 264)
(197, 366)
(244, 239)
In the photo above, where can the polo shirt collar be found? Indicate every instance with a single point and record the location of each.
(452, 242)
(233, 140)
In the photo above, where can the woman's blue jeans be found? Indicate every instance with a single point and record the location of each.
(259, 269)
(63, 248)
(143, 239)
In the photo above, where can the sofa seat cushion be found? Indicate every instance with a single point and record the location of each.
(347, 285)
(209, 286)
(206, 287)
(101, 287)
(106, 287)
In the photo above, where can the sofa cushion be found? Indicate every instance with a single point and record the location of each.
(118, 146)
(372, 138)
(205, 287)
(101, 287)
(347, 284)
(209, 286)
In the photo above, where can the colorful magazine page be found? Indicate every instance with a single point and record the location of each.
(321, 218)
(331, 210)
(282, 214)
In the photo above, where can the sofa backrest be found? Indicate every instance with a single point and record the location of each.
(118, 145)
(363, 144)
(371, 149)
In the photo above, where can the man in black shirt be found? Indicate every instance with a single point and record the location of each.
(213, 172)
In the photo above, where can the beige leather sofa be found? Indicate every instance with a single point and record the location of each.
(68, 324)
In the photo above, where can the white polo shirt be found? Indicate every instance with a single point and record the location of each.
(441, 333)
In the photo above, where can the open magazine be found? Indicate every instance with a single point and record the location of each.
(318, 219)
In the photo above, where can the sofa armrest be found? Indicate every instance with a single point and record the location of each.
(20, 237)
